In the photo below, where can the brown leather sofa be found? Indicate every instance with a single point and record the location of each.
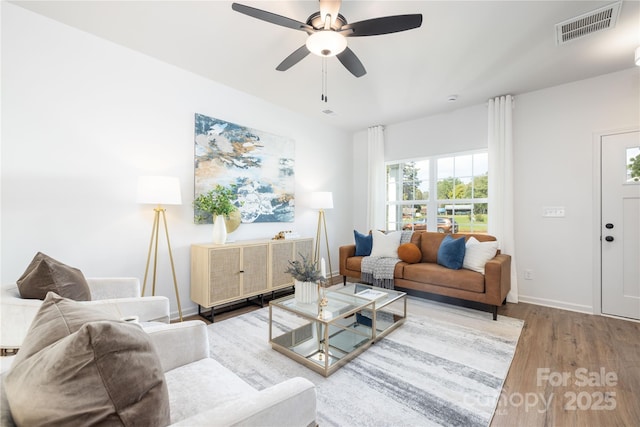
(428, 276)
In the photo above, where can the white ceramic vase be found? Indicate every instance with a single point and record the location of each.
(306, 292)
(219, 230)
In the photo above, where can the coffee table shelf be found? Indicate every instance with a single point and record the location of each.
(349, 325)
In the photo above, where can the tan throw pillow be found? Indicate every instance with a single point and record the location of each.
(45, 274)
(106, 373)
(80, 366)
(409, 253)
(57, 318)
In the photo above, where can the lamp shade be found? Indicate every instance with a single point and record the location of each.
(321, 200)
(159, 190)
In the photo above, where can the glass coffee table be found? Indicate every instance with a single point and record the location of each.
(354, 318)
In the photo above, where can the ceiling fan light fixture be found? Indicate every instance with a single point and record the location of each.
(326, 43)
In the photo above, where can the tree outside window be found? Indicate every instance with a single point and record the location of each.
(461, 185)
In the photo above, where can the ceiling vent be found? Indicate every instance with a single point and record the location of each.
(588, 23)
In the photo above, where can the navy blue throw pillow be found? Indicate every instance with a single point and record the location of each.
(451, 252)
(364, 243)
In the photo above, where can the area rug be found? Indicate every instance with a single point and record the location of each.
(445, 366)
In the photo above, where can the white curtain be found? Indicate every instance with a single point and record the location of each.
(501, 205)
(375, 179)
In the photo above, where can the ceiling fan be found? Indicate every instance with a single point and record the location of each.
(328, 29)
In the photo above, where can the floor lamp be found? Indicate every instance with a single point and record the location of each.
(322, 200)
(159, 190)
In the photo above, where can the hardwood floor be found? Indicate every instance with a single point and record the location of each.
(570, 369)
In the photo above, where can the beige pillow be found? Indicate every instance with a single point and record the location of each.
(75, 369)
(45, 274)
(106, 373)
(478, 253)
(385, 245)
(57, 318)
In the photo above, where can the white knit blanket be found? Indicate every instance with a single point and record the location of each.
(378, 271)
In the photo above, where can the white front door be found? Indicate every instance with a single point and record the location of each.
(620, 224)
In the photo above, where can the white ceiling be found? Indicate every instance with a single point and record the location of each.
(472, 49)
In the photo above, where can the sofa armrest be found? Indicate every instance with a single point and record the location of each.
(291, 403)
(345, 252)
(179, 344)
(113, 287)
(147, 309)
(17, 314)
(497, 278)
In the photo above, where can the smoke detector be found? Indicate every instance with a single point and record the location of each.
(588, 23)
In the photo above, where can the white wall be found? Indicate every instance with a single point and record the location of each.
(83, 118)
(554, 166)
(554, 163)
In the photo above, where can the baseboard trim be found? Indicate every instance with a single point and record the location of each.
(579, 308)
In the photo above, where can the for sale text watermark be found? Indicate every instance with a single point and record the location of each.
(584, 400)
(594, 391)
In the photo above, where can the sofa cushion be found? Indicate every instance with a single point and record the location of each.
(202, 385)
(45, 274)
(386, 245)
(409, 253)
(364, 243)
(438, 275)
(451, 252)
(429, 245)
(478, 253)
(105, 373)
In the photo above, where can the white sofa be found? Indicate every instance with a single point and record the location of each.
(202, 392)
(119, 296)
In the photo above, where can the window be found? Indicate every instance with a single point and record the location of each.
(447, 194)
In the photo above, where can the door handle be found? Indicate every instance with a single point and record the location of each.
(609, 238)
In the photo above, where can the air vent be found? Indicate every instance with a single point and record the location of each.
(589, 23)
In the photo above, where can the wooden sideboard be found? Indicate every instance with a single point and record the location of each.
(222, 274)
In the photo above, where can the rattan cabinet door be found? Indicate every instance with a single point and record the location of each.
(224, 274)
(254, 269)
(281, 253)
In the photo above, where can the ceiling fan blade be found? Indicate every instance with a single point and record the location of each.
(351, 62)
(329, 7)
(291, 60)
(270, 17)
(384, 25)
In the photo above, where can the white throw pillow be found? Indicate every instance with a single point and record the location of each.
(386, 245)
(478, 253)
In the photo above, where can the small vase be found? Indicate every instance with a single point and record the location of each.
(306, 292)
(219, 230)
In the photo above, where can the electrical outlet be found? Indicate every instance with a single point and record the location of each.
(528, 274)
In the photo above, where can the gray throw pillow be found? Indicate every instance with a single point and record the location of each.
(75, 369)
(45, 274)
(57, 318)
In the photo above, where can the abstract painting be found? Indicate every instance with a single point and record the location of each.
(258, 166)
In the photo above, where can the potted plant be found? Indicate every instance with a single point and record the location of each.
(218, 204)
(306, 276)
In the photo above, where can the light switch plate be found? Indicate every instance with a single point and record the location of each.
(553, 211)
